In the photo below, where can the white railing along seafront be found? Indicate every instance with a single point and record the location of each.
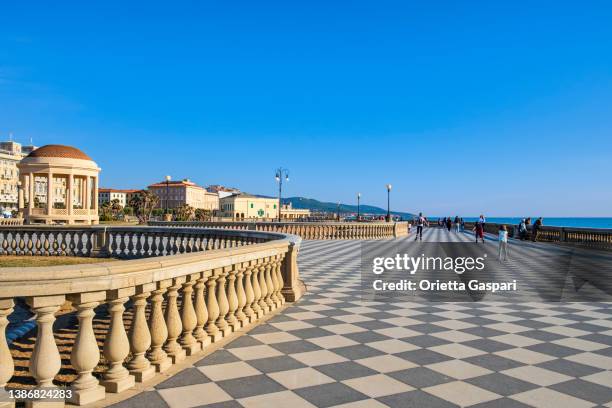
(308, 230)
(184, 289)
(584, 237)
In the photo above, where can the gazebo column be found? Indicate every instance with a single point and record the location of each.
(69, 199)
(49, 194)
(94, 197)
(87, 192)
(31, 192)
(20, 194)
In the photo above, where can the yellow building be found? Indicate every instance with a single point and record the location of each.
(173, 194)
(288, 213)
(248, 207)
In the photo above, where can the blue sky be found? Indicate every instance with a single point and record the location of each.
(465, 107)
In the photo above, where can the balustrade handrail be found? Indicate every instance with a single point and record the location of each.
(306, 230)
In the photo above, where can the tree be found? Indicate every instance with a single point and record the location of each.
(185, 212)
(116, 209)
(106, 213)
(143, 204)
(203, 215)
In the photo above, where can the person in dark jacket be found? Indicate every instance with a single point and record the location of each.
(537, 226)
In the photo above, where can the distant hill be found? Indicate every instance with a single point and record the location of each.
(316, 205)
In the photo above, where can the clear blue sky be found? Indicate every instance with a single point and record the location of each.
(465, 107)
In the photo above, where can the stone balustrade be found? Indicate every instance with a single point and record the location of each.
(117, 242)
(308, 230)
(11, 221)
(587, 237)
(209, 284)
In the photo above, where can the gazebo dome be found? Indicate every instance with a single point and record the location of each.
(61, 151)
(58, 184)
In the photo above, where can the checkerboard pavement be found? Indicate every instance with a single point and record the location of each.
(333, 349)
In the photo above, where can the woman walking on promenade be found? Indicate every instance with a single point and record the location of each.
(457, 223)
(479, 228)
(449, 223)
(503, 243)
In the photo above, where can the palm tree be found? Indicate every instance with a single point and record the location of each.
(143, 204)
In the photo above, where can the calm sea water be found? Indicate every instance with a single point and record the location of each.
(584, 222)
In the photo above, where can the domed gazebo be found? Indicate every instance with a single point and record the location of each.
(59, 184)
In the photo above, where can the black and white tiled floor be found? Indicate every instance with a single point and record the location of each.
(333, 349)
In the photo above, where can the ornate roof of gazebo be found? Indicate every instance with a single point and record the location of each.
(60, 151)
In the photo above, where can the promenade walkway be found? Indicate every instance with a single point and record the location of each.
(333, 349)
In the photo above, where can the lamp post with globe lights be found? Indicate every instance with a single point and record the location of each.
(280, 175)
(358, 206)
(389, 202)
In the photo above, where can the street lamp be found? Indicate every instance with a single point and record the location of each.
(389, 202)
(358, 200)
(168, 178)
(338, 212)
(280, 175)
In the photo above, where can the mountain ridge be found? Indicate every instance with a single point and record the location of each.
(316, 205)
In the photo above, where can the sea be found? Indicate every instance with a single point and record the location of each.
(578, 222)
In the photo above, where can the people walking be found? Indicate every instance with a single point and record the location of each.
(535, 230)
(479, 228)
(449, 223)
(522, 229)
(420, 223)
(457, 224)
(503, 243)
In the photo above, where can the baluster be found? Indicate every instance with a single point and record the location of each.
(122, 244)
(173, 322)
(159, 331)
(138, 247)
(189, 318)
(6, 359)
(140, 336)
(221, 323)
(274, 282)
(45, 362)
(29, 244)
(249, 293)
(257, 292)
(201, 312)
(279, 276)
(263, 287)
(232, 299)
(85, 354)
(146, 245)
(213, 307)
(116, 344)
(22, 243)
(269, 285)
(241, 296)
